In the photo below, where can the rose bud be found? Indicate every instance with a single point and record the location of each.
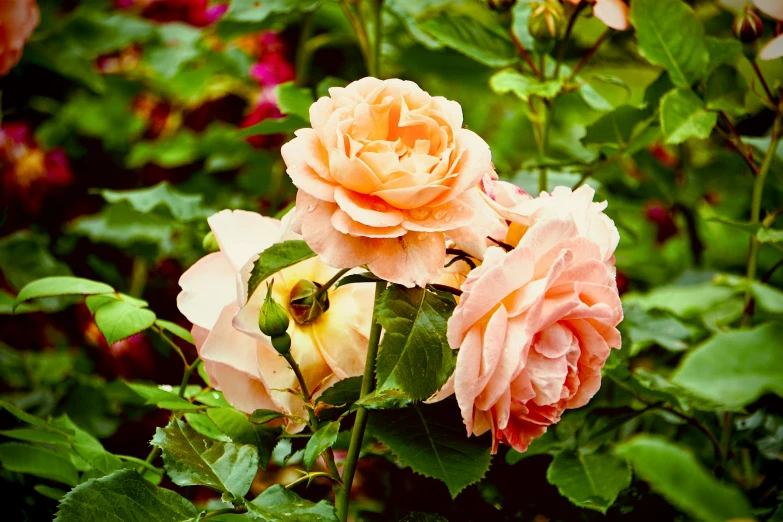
(748, 26)
(209, 243)
(305, 303)
(272, 319)
(546, 20)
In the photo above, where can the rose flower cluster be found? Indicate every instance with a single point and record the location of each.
(390, 180)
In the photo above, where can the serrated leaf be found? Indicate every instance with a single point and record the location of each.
(204, 425)
(388, 399)
(175, 329)
(342, 392)
(431, 441)
(524, 85)
(162, 398)
(769, 235)
(119, 320)
(684, 116)
(675, 474)
(60, 285)
(191, 459)
(124, 495)
(414, 355)
(471, 37)
(38, 461)
(236, 425)
(277, 504)
(669, 34)
(182, 207)
(88, 447)
(591, 481)
(735, 367)
(294, 100)
(264, 416)
(275, 258)
(321, 440)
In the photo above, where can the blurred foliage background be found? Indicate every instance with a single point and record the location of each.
(127, 123)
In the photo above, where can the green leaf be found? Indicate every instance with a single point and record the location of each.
(682, 300)
(431, 440)
(191, 459)
(414, 355)
(723, 51)
(294, 100)
(56, 286)
(364, 277)
(119, 320)
(341, 392)
(94, 302)
(175, 329)
(726, 90)
(277, 504)
(389, 399)
(591, 481)
(471, 37)
(669, 34)
(736, 367)
(124, 495)
(647, 328)
(264, 416)
(275, 258)
(38, 461)
(520, 14)
(236, 425)
(767, 297)
(615, 127)
(675, 474)
(524, 85)
(273, 126)
(50, 492)
(204, 425)
(684, 116)
(162, 398)
(769, 235)
(255, 11)
(88, 447)
(321, 440)
(182, 207)
(33, 435)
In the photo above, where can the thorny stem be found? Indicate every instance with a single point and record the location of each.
(308, 477)
(357, 435)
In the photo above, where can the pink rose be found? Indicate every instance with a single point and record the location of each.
(534, 326)
(773, 8)
(18, 19)
(614, 13)
(383, 175)
(238, 358)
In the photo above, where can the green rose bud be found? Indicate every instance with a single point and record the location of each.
(273, 319)
(748, 27)
(304, 302)
(282, 343)
(209, 243)
(547, 20)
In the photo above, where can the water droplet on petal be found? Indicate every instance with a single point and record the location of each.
(420, 213)
(421, 236)
(440, 214)
(448, 218)
(311, 207)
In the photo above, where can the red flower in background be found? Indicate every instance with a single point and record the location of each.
(28, 172)
(18, 19)
(199, 13)
(663, 218)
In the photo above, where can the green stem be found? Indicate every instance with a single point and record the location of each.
(358, 29)
(302, 59)
(569, 28)
(299, 377)
(226, 511)
(357, 435)
(327, 285)
(186, 376)
(153, 454)
(374, 65)
(589, 54)
(139, 274)
(172, 344)
(142, 463)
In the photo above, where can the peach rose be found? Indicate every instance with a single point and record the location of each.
(614, 13)
(383, 175)
(773, 8)
(534, 326)
(238, 358)
(18, 19)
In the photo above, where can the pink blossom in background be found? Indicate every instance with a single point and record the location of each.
(18, 19)
(199, 13)
(614, 13)
(29, 173)
(774, 9)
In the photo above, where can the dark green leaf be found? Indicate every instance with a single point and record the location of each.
(679, 478)
(38, 461)
(364, 277)
(726, 90)
(277, 504)
(670, 35)
(294, 100)
(646, 328)
(321, 440)
(723, 51)
(162, 398)
(55, 286)
(175, 329)
(276, 258)
(735, 367)
(615, 127)
(33, 435)
(124, 495)
(194, 460)
(94, 302)
(273, 126)
(204, 425)
(264, 416)
(50, 492)
(88, 447)
(388, 399)
(684, 116)
(592, 481)
(486, 44)
(182, 207)
(236, 425)
(431, 440)
(341, 392)
(119, 320)
(414, 355)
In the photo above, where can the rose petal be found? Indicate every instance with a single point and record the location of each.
(242, 234)
(207, 287)
(614, 13)
(415, 259)
(367, 210)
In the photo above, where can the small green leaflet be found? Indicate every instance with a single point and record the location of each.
(60, 285)
(275, 258)
(277, 504)
(321, 440)
(592, 481)
(684, 116)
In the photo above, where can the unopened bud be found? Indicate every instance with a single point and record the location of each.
(546, 21)
(210, 243)
(304, 302)
(748, 26)
(272, 319)
(282, 343)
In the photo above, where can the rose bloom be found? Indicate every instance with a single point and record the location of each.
(535, 325)
(773, 8)
(238, 358)
(18, 19)
(614, 13)
(385, 172)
